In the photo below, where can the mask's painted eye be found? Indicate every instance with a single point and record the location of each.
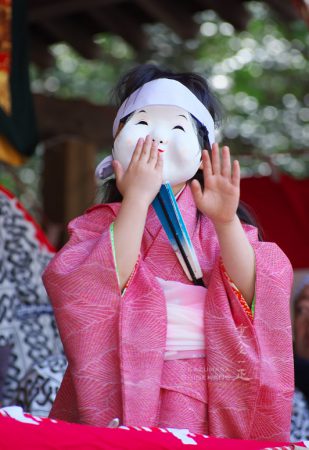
(178, 127)
(142, 122)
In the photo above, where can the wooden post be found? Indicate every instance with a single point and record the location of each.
(68, 184)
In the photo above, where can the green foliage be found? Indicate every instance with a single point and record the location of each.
(260, 75)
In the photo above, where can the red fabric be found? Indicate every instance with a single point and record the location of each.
(282, 209)
(16, 435)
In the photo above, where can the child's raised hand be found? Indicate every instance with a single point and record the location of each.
(143, 178)
(220, 197)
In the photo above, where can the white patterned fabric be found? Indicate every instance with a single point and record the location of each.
(27, 323)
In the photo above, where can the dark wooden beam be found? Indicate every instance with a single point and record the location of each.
(233, 11)
(75, 33)
(171, 14)
(284, 9)
(39, 10)
(68, 186)
(76, 117)
(123, 23)
(38, 47)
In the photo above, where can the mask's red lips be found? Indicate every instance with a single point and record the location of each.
(160, 150)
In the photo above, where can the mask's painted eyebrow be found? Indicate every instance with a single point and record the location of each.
(181, 115)
(142, 110)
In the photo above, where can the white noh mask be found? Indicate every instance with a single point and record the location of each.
(173, 129)
(162, 108)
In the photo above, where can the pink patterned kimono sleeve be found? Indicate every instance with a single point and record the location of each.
(114, 343)
(249, 363)
(82, 283)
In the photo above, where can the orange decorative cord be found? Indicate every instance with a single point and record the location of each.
(8, 154)
(236, 291)
(5, 54)
(132, 275)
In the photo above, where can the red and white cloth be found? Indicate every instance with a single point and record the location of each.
(22, 431)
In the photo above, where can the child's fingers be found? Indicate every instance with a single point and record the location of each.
(144, 155)
(236, 174)
(153, 155)
(226, 162)
(159, 162)
(215, 160)
(207, 169)
(138, 149)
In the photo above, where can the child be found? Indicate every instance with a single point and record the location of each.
(144, 343)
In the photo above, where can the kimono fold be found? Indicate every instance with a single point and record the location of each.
(115, 343)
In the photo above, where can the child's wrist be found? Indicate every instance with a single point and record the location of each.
(221, 225)
(136, 200)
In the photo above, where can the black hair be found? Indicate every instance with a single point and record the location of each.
(144, 73)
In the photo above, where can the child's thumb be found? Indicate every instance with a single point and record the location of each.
(196, 191)
(118, 170)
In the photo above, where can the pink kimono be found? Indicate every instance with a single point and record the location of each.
(115, 343)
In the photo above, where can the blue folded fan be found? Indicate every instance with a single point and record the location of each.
(171, 219)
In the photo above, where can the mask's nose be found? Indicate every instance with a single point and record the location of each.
(160, 141)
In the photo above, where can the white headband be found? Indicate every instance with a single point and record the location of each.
(165, 91)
